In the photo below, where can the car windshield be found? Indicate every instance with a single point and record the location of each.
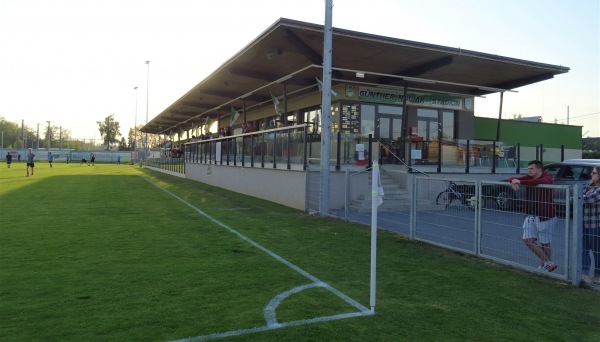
(552, 169)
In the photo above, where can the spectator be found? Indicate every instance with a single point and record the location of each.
(591, 224)
(539, 204)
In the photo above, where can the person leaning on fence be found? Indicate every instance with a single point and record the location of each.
(591, 223)
(539, 205)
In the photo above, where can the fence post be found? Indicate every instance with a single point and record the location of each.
(494, 156)
(337, 163)
(370, 151)
(542, 153)
(413, 204)
(467, 157)
(518, 158)
(305, 152)
(288, 149)
(275, 149)
(576, 245)
(347, 195)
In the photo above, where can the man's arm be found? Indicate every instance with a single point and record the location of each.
(516, 181)
(546, 178)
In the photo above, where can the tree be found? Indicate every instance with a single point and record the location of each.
(132, 139)
(11, 132)
(123, 144)
(109, 130)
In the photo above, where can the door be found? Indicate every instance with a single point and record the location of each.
(389, 132)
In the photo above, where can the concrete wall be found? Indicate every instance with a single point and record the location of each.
(286, 187)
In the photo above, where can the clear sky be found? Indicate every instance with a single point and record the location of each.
(74, 62)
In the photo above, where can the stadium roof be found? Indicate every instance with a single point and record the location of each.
(290, 52)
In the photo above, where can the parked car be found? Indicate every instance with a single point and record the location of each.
(567, 172)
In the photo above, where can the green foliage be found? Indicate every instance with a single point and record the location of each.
(123, 145)
(102, 253)
(109, 130)
(591, 155)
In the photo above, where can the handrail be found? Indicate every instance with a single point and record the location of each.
(271, 130)
(410, 168)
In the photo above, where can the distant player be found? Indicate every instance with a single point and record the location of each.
(50, 158)
(30, 162)
(8, 160)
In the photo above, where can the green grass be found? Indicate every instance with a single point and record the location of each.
(102, 254)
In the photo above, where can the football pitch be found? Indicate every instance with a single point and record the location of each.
(123, 253)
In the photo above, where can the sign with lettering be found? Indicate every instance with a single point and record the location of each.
(393, 96)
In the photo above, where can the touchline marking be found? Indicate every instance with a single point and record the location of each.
(266, 327)
(270, 308)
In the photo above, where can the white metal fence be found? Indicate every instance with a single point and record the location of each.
(481, 218)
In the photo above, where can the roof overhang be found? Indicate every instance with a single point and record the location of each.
(290, 52)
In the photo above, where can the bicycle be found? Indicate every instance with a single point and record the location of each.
(461, 192)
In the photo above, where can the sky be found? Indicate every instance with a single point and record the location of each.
(75, 62)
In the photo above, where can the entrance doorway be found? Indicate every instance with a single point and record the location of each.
(389, 133)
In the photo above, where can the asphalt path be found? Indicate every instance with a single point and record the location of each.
(499, 232)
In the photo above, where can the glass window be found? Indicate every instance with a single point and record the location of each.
(313, 118)
(427, 124)
(427, 113)
(552, 169)
(390, 110)
(367, 121)
(572, 172)
(448, 125)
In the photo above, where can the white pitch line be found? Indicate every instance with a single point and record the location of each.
(316, 282)
(275, 327)
(270, 309)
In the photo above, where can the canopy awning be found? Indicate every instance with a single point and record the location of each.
(290, 52)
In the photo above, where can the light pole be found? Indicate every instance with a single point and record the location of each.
(135, 126)
(147, 82)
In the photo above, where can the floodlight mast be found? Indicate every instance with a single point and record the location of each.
(135, 126)
(147, 83)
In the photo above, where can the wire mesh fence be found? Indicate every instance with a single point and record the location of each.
(488, 219)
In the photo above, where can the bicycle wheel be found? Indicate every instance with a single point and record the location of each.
(444, 198)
